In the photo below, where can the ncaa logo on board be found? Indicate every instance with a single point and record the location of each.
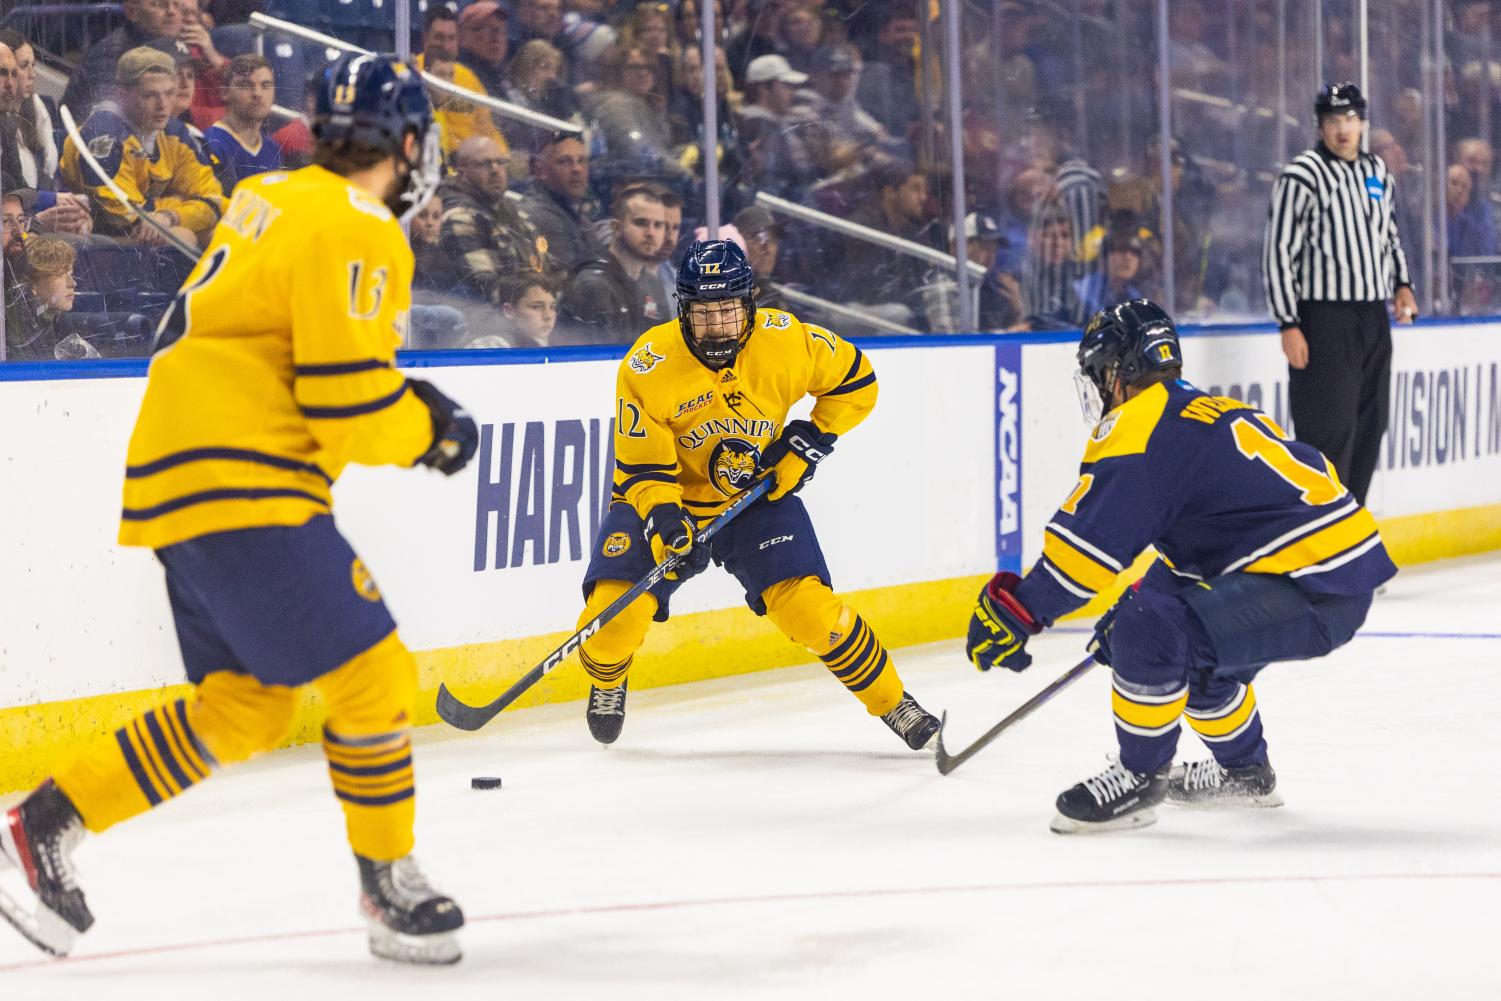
(1008, 449)
(732, 466)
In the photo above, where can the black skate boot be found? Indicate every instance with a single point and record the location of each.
(38, 837)
(409, 921)
(606, 713)
(1208, 785)
(1116, 799)
(912, 723)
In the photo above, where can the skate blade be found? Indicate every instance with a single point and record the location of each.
(1068, 825)
(1263, 802)
(41, 927)
(421, 950)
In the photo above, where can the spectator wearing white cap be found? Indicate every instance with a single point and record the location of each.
(770, 88)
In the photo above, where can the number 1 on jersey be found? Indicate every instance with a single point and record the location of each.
(1256, 442)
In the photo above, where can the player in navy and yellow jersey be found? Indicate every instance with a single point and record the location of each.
(701, 410)
(1263, 556)
(273, 371)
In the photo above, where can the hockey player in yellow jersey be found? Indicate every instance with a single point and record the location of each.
(701, 411)
(274, 369)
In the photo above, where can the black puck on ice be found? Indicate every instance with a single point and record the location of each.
(484, 782)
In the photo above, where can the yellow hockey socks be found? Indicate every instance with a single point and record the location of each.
(807, 612)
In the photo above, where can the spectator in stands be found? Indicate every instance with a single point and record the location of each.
(1124, 249)
(239, 142)
(672, 213)
(295, 138)
(484, 236)
(789, 165)
(831, 101)
(649, 27)
(756, 36)
(558, 202)
(615, 298)
(459, 118)
(535, 19)
(1050, 249)
(45, 291)
(1472, 232)
(1078, 191)
(873, 274)
(535, 81)
(995, 298)
(630, 112)
(1479, 159)
(145, 21)
(1015, 219)
(209, 64)
(27, 123)
(482, 43)
(10, 106)
(685, 108)
(762, 238)
(1200, 273)
(1409, 187)
(177, 186)
(585, 39)
(187, 87)
(425, 234)
(528, 311)
(888, 84)
(799, 36)
(13, 241)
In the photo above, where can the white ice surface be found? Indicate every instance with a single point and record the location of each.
(760, 836)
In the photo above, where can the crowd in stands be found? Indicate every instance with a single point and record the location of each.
(567, 233)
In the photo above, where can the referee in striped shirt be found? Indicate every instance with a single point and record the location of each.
(1331, 259)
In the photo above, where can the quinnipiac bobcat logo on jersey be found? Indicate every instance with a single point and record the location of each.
(732, 466)
(644, 360)
(616, 544)
(364, 582)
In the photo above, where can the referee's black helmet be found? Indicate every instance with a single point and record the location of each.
(1338, 99)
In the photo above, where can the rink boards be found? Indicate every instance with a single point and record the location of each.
(971, 447)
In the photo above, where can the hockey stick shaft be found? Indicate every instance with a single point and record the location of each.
(947, 762)
(467, 717)
(71, 127)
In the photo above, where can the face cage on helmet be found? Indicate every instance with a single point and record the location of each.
(423, 175)
(725, 357)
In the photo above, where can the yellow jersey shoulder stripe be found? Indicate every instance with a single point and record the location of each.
(1127, 428)
(175, 459)
(1322, 548)
(1083, 568)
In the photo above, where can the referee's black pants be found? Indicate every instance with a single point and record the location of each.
(1339, 402)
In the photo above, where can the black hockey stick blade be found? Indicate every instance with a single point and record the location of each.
(948, 762)
(466, 717)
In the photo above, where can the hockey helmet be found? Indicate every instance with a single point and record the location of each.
(376, 100)
(1338, 99)
(712, 271)
(1127, 342)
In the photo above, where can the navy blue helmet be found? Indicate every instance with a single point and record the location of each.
(1127, 342)
(376, 101)
(714, 270)
(1338, 99)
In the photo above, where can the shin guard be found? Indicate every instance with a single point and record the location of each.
(807, 612)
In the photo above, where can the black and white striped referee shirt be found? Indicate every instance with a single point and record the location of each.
(1331, 235)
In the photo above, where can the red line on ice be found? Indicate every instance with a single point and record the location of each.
(669, 905)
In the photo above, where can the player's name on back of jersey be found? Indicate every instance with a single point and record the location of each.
(544, 488)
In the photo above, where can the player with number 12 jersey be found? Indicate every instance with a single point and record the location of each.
(701, 411)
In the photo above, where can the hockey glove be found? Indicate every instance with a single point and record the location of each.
(1000, 626)
(669, 531)
(455, 435)
(794, 456)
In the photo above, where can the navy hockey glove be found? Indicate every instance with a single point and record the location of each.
(1000, 626)
(794, 456)
(455, 436)
(1106, 625)
(670, 531)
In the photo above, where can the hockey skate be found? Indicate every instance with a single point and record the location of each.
(606, 713)
(1208, 785)
(912, 723)
(409, 921)
(1114, 800)
(37, 837)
